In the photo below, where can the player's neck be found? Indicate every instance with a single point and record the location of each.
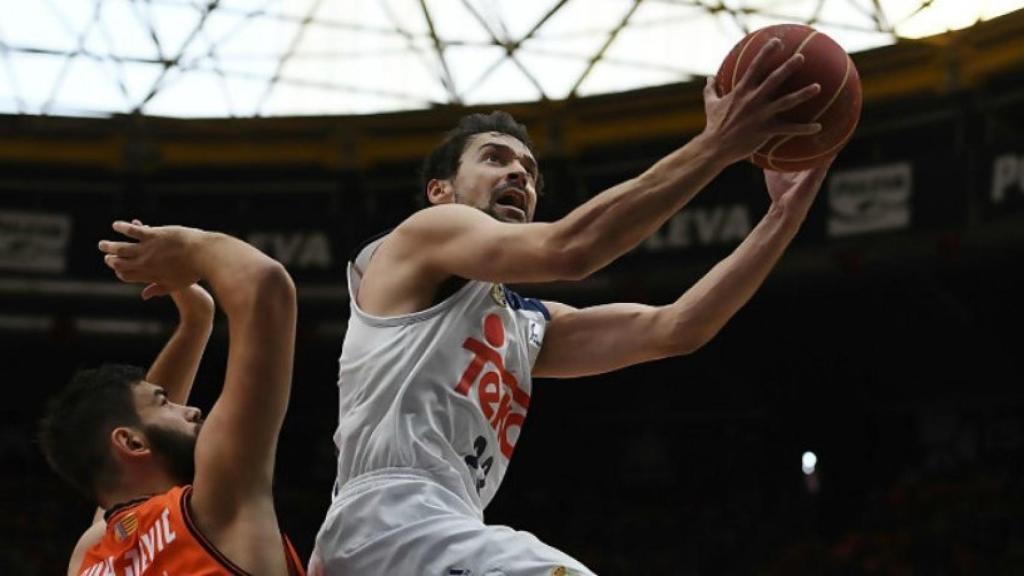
(137, 486)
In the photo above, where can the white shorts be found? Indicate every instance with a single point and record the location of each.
(402, 523)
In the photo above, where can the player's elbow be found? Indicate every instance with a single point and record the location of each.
(690, 343)
(686, 337)
(561, 252)
(263, 291)
(274, 286)
(573, 264)
(677, 346)
(568, 260)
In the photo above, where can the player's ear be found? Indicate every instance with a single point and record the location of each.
(128, 442)
(440, 191)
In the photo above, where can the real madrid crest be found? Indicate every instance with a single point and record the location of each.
(498, 295)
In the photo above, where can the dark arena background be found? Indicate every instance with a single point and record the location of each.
(887, 342)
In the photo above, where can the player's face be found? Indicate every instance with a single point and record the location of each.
(498, 175)
(171, 430)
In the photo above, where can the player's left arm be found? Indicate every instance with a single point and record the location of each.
(582, 342)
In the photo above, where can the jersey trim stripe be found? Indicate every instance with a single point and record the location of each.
(212, 550)
(291, 556)
(518, 302)
(118, 508)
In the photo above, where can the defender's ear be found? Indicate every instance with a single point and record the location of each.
(128, 442)
(440, 191)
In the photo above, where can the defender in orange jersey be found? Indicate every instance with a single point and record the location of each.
(160, 531)
(184, 495)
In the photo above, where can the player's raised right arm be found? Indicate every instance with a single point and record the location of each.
(459, 241)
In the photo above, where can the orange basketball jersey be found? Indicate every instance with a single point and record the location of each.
(157, 536)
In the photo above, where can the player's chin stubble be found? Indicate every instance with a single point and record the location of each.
(177, 449)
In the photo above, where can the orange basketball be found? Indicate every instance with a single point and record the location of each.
(836, 106)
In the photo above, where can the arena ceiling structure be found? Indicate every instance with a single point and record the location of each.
(257, 58)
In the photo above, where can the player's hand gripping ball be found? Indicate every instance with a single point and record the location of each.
(836, 107)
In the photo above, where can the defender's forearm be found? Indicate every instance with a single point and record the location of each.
(175, 367)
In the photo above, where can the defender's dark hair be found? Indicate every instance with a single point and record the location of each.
(443, 161)
(75, 432)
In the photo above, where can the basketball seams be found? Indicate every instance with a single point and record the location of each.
(785, 139)
(824, 109)
(846, 79)
(739, 59)
(807, 39)
(835, 148)
(845, 94)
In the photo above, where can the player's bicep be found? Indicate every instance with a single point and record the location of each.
(456, 240)
(598, 339)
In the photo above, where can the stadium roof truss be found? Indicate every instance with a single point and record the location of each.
(246, 58)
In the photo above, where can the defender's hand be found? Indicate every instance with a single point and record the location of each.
(161, 257)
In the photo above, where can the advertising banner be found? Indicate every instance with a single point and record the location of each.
(869, 199)
(34, 241)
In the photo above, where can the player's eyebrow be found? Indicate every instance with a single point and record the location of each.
(526, 159)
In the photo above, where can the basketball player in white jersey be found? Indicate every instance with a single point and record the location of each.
(436, 367)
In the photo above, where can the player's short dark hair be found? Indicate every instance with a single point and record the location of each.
(443, 161)
(75, 432)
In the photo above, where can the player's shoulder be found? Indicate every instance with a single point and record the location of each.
(434, 226)
(90, 538)
(425, 226)
(441, 216)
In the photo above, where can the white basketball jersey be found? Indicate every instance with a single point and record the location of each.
(443, 391)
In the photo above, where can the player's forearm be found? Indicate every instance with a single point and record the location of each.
(175, 367)
(700, 313)
(618, 219)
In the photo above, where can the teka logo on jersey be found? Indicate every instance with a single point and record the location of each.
(503, 403)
